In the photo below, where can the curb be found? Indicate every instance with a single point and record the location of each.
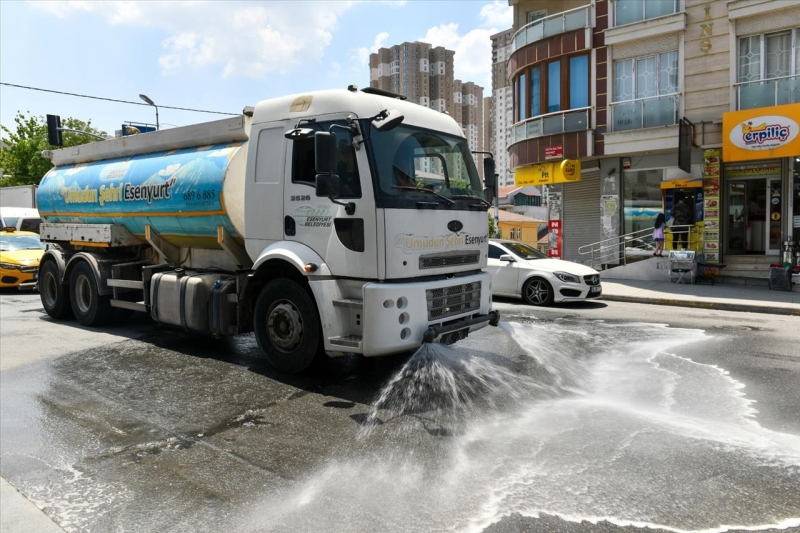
(722, 306)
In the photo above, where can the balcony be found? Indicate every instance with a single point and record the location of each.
(552, 124)
(574, 19)
(767, 93)
(649, 112)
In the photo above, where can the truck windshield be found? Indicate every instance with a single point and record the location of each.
(411, 163)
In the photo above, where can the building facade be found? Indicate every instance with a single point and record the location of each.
(425, 74)
(624, 87)
(502, 106)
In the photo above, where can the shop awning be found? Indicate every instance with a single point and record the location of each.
(683, 183)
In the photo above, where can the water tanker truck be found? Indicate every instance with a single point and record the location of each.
(338, 221)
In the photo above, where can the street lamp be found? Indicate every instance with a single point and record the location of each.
(150, 102)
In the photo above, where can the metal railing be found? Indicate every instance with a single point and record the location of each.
(552, 124)
(648, 112)
(770, 92)
(632, 247)
(573, 19)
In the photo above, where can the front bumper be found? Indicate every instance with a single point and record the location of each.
(17, 278)
(397, 316)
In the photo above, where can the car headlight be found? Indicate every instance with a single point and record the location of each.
(567, 277)
(10, 266)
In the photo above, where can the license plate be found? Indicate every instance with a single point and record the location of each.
(594, 290)
(454, 336)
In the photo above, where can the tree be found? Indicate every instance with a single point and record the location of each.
(21, 156)
(494, 231)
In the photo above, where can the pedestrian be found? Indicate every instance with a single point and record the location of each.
(682, 217)
(658, 234)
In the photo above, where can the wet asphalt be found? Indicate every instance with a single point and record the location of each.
(597, 417)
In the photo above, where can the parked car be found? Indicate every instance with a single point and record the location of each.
(524, 272)
(20, 253)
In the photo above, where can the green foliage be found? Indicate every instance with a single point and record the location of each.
(494, 231)
(21, 157)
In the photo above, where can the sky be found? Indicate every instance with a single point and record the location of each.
(217, 56)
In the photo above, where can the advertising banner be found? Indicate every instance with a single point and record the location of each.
(711, 206)
(568, 170)
(761, 133)
(554, 224)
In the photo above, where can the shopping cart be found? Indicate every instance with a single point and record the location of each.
(682, 263)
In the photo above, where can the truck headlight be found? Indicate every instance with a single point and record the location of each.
(567, 277)
(10, 266)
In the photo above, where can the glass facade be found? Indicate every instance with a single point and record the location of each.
(642, 199)
(769, 69)
(554, 86)
(629, 11)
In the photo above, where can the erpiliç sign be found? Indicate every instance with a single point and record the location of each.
(765, 132)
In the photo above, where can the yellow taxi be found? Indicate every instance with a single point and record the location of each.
(20, 253)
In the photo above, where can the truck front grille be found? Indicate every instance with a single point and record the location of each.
(449, 259)
(455, 300)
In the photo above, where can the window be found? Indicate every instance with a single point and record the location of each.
(642, 197)
(769, 69)
(304, 167)
(645, 92)
(495, 252)
(555, 86)
(533, 16)
(628, 11)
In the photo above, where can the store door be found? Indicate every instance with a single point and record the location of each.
(754, 216)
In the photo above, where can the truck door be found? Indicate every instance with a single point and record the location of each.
(347, 243)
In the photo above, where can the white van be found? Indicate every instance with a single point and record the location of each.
(21, 218)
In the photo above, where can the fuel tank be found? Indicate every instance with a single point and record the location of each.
(183, 195)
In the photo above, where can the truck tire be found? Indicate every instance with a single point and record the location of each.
(287, 326)
(55, 299)
(89, 307)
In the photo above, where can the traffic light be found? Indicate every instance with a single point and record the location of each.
(54, 130)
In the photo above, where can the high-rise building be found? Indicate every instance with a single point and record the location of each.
(424, 74)
(502, 113)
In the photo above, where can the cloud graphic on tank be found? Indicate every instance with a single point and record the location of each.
(195, 173)
(170, 170)
(222, 152)
(114, 171)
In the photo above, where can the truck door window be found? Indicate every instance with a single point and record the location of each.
(30, 224)
(304, 171)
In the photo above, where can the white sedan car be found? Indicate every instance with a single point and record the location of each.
(521, 271)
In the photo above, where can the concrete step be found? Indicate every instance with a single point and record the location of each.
(751, 259)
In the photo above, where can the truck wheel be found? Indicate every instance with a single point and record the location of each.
(287, 326)
(89, 307)
(55, 299)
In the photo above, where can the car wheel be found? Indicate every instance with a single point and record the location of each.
(55, 299)
(287, 326)
(89, 307)
(537, 291)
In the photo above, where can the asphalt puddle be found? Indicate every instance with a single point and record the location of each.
(596, 423)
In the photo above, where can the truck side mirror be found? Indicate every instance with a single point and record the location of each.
(489, 179)
(325, 157)
(327, 186)
(488, 194)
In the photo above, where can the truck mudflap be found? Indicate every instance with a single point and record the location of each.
(451, 333)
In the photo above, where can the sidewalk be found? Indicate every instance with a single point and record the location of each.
(724, 296)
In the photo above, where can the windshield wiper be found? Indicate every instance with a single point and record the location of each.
(423, 189)
(470, 197)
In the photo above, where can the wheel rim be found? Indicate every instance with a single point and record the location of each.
(537, 292)
(49, 289)
(83, 294)
(285, 326)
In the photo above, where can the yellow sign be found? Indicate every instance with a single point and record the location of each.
(761, 133)
(566, 171)
(683, 183)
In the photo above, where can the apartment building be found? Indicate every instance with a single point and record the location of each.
(663, 102)
(425, 75)
(502, 106)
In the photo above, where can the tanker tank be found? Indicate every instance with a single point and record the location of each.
(183, 195)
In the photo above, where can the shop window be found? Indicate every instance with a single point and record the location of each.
(642, 199)
(769, 69)
(646, 92)
(629, 11)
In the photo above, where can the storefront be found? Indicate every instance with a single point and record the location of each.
(760, 185)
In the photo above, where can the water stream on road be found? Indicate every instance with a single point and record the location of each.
(606, 422)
